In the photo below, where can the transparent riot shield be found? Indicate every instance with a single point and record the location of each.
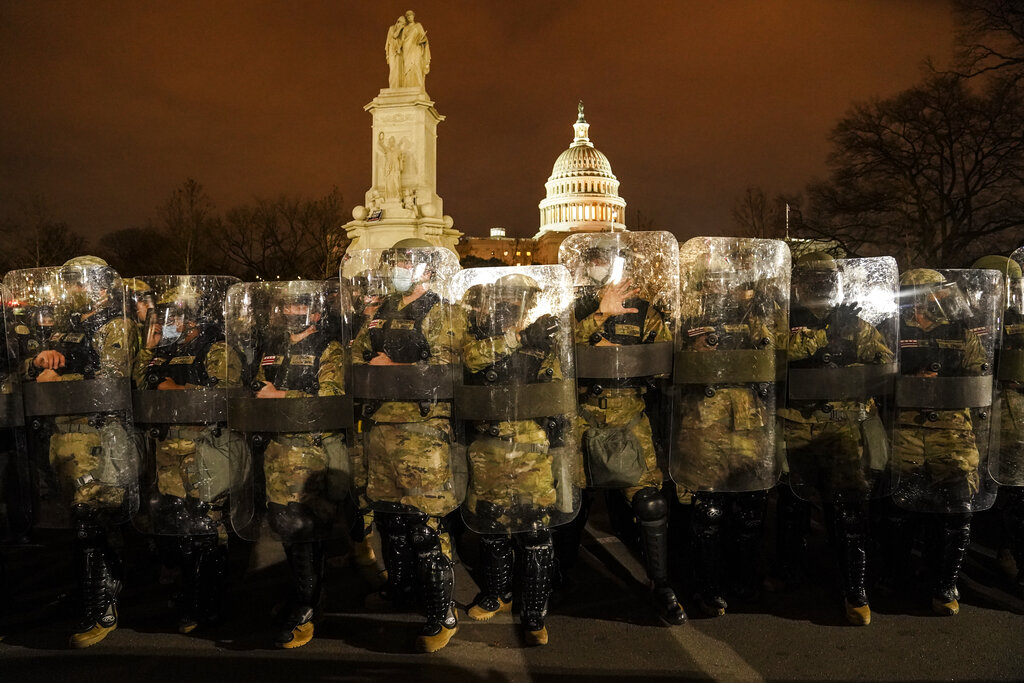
(842, 373)
(77, 393)
(403, 369)
(1006, 463)
(182, 376)
(626, 304)
(515, 402)
(729, 363)
(943, 431)
(289, 426)
(15, 484)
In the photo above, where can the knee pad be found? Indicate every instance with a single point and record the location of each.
(424, 538)
(540, 536)
(708, 512)
(649, 505)
(293, 523)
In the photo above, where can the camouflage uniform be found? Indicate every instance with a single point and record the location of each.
(825, 446)
(935, 453)
(191, 465)
(407, 451)
(727, 432)
(91, 457)
(616, 403)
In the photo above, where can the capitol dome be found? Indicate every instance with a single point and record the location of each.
(582, 191)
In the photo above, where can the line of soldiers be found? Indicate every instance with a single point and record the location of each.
(416, 399)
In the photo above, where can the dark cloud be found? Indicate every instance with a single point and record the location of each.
(109, 106)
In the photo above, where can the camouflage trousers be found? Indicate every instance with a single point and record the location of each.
(409, 463)
(193, 464)
(510, 474)
(310, 469)
(618, 408)
(944, 460)
(827, 457)
(92, 466)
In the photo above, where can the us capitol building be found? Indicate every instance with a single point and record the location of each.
(582, 196)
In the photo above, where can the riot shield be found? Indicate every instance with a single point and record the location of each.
(288, 428)
(403, 369)
(943, 434)
(77, 394)
(515, 402)
(842, 373)
(1006, 463)
(729, 363)
(182, 375)
(15, 485)
(626, 303)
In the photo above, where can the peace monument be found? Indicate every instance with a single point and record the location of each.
(402, 200)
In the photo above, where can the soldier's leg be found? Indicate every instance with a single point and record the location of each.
(97, 572)
(205, 580)
(792, 525)
(850, 525)
(538, 570)
(294, 524)
(896, 538)
(651, 509)
(399, 589)
(437, 584)
(747, 526)
(567, 539)
(954, 537)
(496, 562)
(706, 530)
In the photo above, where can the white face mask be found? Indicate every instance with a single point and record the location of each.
(169, 335)
(599, 273)
(401, 278)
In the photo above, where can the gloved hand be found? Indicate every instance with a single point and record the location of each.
(540, 334)
(842, 322)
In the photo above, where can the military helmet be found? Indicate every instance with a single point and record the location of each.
(1003, 264)
(815, 260)
(517, 282)
(605, 247)
(921, 276)
(136, 286)
(86, 260)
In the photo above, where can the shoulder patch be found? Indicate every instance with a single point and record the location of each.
(182, 360)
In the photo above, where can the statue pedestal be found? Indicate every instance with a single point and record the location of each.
(406, 205)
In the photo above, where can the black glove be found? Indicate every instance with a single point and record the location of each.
(540, 334)
(842, 322)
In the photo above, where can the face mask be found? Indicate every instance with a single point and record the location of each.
(599, 273)
(169, 335)
(401, 278)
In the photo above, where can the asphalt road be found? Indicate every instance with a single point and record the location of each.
(601, 630)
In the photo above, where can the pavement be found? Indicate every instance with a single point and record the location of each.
(602, 628)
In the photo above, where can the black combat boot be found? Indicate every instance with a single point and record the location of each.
(496, 567)
(437, 583)
(651, 509)
(205, 578)
(748, 510)
(706, 527)
(538, 570)
(97, 573)
(954, 537)
(851, 551)
(305, 560)
(792, 523)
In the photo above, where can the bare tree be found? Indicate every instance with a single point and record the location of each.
(35, 238)
(187, 220)
(757, 215)
(990, 37)
(931, 175)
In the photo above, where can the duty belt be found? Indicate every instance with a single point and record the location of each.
(510, 444)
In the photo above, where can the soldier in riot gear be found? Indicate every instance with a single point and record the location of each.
(727, 373)
(513, 447)
(90, 458)
(832, 350)
(623, 343)
(938, 435)
(185, 351)
(15, 508)
(1007, 465)
(304, 466)
(402, 359)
